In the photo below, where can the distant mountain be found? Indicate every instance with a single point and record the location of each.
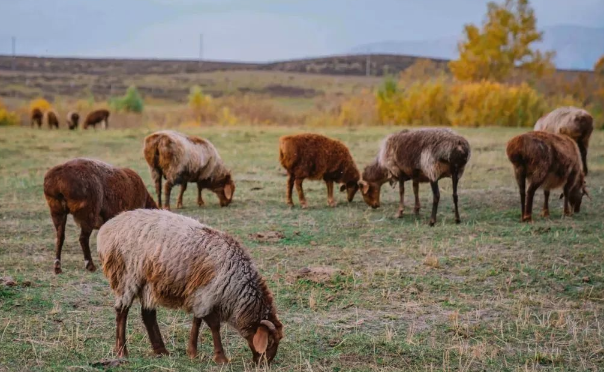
(576, 47)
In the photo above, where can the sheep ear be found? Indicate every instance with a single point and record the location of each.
(343, 188)
(261, 339)
(228, 190)
(364, 186)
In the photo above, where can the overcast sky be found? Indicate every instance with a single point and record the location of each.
(247, 30)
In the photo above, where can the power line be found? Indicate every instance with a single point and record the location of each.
(14, 48)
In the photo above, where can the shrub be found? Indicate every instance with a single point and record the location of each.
(41, 104)
(8, 118)
(130, 102)
(202, 105)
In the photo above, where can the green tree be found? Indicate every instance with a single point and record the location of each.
(130, 102)
(503, 43)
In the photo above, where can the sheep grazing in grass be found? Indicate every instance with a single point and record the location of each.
(93, 192)
(52, 120)
(317, 157)
(72, 120)
(168, 260)
(181, 159)
(423, 155)
(36, 117)
(97, 117)
(573, 122)
(548, 161)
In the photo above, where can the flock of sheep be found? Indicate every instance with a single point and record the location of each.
(165, 259)
(38, 117)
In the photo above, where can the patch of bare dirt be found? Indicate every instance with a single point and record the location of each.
(319, 274)
(267, 236)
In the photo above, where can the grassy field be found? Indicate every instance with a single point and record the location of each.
(490, 294)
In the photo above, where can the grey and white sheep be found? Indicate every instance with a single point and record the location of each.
(165, 259)
(570, 121)
(181, 159)
(422, 155)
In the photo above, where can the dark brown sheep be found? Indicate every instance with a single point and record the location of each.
(181, 159)
(317, 157)
(573, 122)
(548, 161)
(36, 117)
(96, 117)
(422, 155)
(73, 119)
(93, 192)
(52, 119)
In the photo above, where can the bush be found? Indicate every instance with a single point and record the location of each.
(8, 118)
(202, 105)
(130, 102)
(41, 104)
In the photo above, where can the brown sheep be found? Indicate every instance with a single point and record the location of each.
(548, 161)
(422, 155)
(181, 159)
(36, 117)
(317, 157)
(570, 121)
(92, 192)
(95, 117)
(72, 120)
(52, 119)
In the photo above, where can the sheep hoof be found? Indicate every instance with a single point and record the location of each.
(457, 221)
(221, 359)
(201, 204)
(90, 267)
(179, 206)
(432, 223)
(331, 203)
(399, 214)
(166, 207)
(192, 353)
(58, 269)
(161, 351)
(304, 205)
(122, 353)
(527, 219)
(545, 214)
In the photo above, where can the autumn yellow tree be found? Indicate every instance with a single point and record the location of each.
(503, 43)
(599, 71)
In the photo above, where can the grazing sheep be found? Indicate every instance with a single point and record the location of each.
(96, 117)
(181, 159)
(36, 117)
(52, 119)
(93, 192)
(317, 157)
(72, 120)
(548, 161)
(570, 121)
(423, 155)
(165, 259)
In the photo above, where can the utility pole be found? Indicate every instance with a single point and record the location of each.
(200, 51)
(14, 43)
(368, 65)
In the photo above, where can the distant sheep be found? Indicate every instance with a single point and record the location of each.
(52, 120)
(181, 159)
(168, 260)
(93, 192)
(573, 122)
(548, 161)
(73, 119)
(36, 117)
(317, 157)
(423, 155)
(97, 117)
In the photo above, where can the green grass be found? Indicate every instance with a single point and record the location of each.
(491, 294)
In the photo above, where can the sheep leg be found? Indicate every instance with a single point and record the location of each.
(290, 188)
(330, 200)
(156, 174)
(528, 211)
(59, 220)
(193, 337)
(150, 320)
(435, 200)
(300, 191)
(213, 322)
(455, 180)
(566, 190)
(85, 244)
(545, 212)
(521, 180)
(583, 151)
(121, 317)
(416, 193)
(183, 188)
(167, 190)
(200, 201)
(401, 194)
